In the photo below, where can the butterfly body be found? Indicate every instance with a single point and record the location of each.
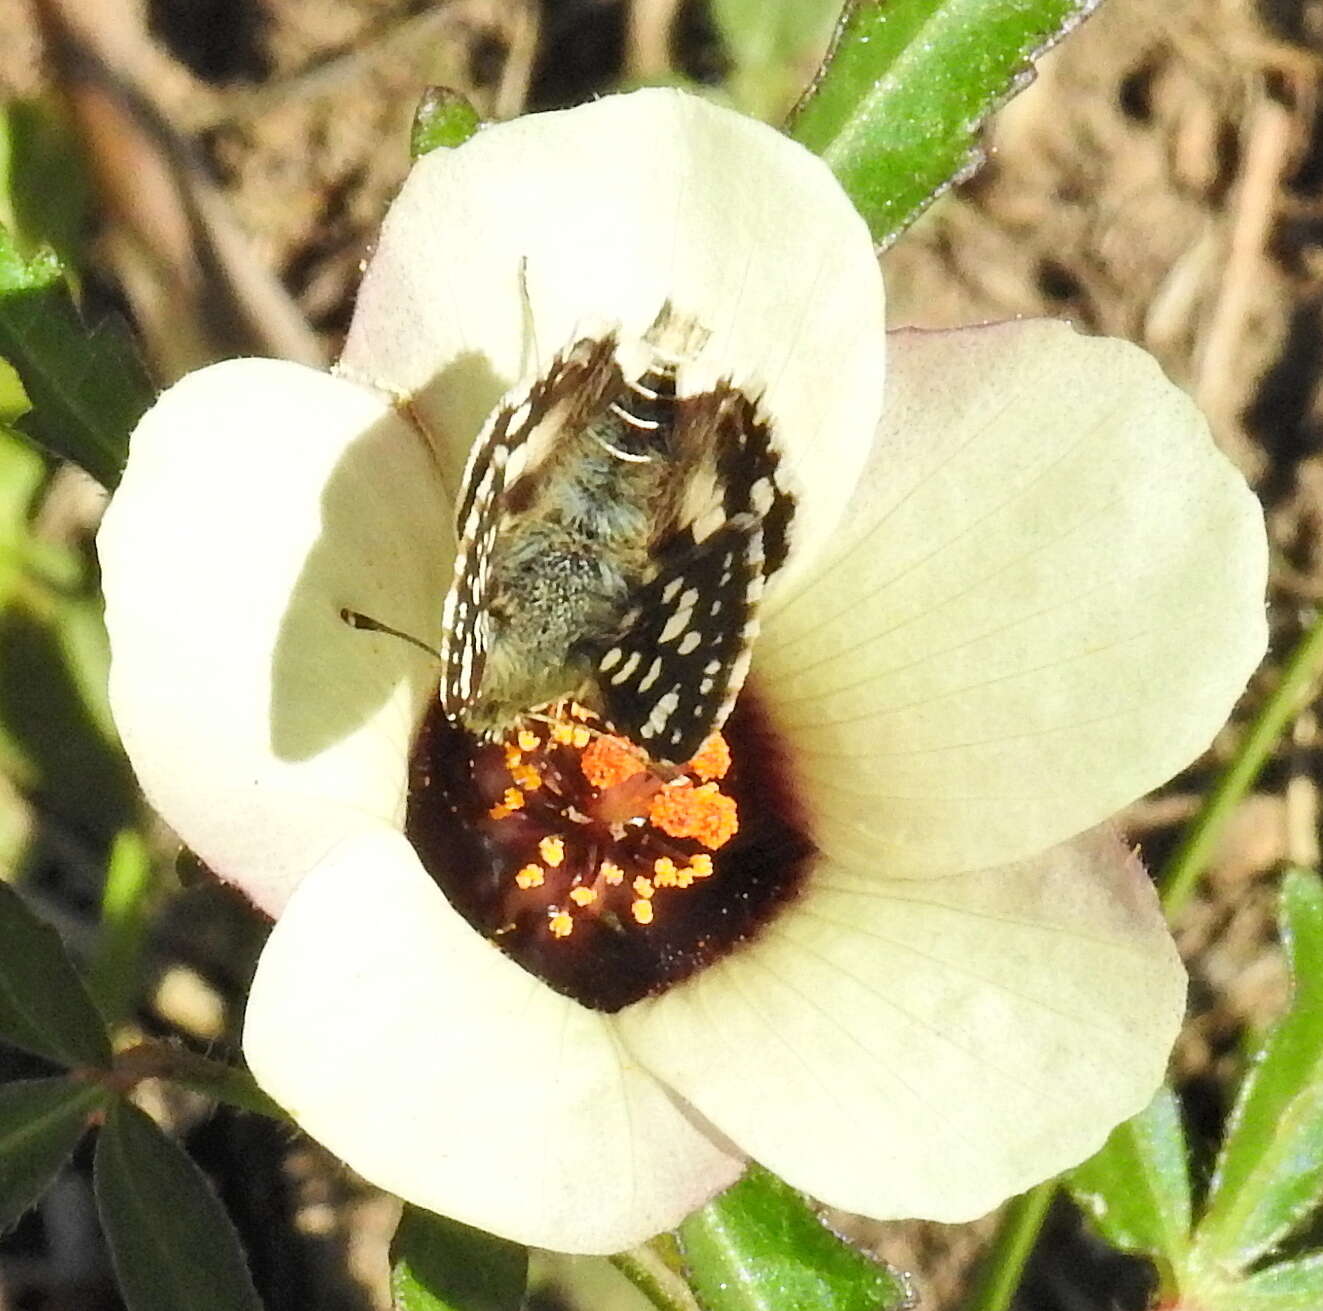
(563, 569)
(615, 536)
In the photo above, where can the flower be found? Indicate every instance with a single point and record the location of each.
(1020, 596)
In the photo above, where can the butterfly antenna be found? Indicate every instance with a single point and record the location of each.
(367, 624)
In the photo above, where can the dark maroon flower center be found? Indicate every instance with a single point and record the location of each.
(608, 877)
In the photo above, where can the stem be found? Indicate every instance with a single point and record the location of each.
(649, 1270)
(230, 1084)
(1182, 872)
(1003, 1264)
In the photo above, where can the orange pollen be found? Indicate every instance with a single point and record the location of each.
(609, 761)
(560, 922)
(552, 849)
(582, 896)
(712, 760)
(531, 876)
(528, 777)
(642, 911)
(703, 813)
(512, 800)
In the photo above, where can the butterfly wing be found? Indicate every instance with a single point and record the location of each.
(671, 673)
(521, 432)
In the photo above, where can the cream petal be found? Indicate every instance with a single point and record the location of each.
(927, 1050)
(1048, 595)
(608, 210)
(260, 497)
(443, 1072)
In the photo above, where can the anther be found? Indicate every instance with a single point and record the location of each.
(531, 876)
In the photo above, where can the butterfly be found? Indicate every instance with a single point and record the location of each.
(615, 536)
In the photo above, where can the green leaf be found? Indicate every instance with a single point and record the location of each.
(1137, 1188)
(443, 119)
(1291, 1286)
(45, 199)
(172, 1245)
(41, 1121)
(760, 1246)
(1269, 1173)
(897, 108)
(442, 1265)
(44, 1007)
(14, 403)
(88, 388)
(774, 46)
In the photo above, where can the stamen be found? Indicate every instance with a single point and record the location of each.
(512, 800)
(531, 876)
(712, 760)
(704, 813)
(635, 825)
(609, 761)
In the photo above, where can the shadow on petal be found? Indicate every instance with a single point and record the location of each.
(385, 549)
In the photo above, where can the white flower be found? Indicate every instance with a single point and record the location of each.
(1024, 595)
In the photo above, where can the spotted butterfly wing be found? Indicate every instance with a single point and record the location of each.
(516, 437)
(670, 674)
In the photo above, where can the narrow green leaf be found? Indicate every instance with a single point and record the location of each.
(442, 1265)
(172, 1245)
(41, 1121)
(88, 388)
(44, 1007)
(774, 46)
(1291, 1286)
(1269, 1174)
(116, 972)
(760, 1246)
(443, 119)
(897, 108)
(1137, 1188)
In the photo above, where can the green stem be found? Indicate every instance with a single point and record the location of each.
(1182, 872)
(1002, 1267)
(226, 1083)
(649, 1270)
(999, 1274)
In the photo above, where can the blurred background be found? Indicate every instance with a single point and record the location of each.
(214, 171)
